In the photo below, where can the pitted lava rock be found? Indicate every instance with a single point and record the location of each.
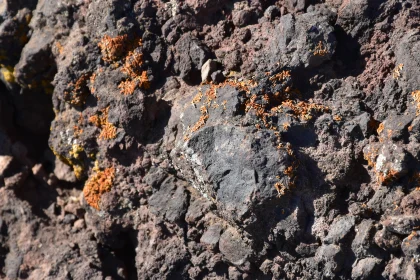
(213, 139)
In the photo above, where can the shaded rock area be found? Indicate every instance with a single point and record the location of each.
(209, 139)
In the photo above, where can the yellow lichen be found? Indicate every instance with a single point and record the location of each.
(75, 163)
(76, 151)
(7, 72)
(78, 171)
(98, 184)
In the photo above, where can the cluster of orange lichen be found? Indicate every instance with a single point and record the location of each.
(136, 76)
(108, 130)
(320, 49)
(92, 82)
(209, 102)
(79, 91)
(133, 62)
(98, 184)
(370, 156)
(387, 177)
(301, 109)
(397, 71)
(127, 87)
(282, 76)
(416, 97)
(112, 48)
(263, 110)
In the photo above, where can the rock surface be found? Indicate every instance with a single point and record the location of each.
(209, 139)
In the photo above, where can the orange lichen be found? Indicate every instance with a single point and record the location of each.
(136, 76)
(302, 109)
(79, 91)
(281, 189)
(416, 97)
(133, 62)
(202, 121)
(144, 80)
(59, 47)
(380, 128)
(370, 156)
(397, 71)
(98, 184)
(127, 87)
(385, 178)
(108, 130)
(92, 82)
(282, 76)
(320, 49)
(208, 100)
(112, 48)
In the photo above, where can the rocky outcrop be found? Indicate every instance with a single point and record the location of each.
(209, 139)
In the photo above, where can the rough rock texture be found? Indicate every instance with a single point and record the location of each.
(209, 139)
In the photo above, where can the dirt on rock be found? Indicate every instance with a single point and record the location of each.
(209, 139)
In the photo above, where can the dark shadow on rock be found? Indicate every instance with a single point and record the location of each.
(347, 55)
(158, 114)
(121, 257)
(40, 196)
(300, 136)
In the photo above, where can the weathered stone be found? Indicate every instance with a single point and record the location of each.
(362, 243)
(207, 69)
(64, 172)
(169, 202)
(234, 248)
(411, 245)
(272, 12)
(191, 56)
(5, 162)
(401, 224)
(339, 230)
(332, 257)
(309, 35)
(241, 18)
(387, 240)
(212, 235)
(365, 268)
